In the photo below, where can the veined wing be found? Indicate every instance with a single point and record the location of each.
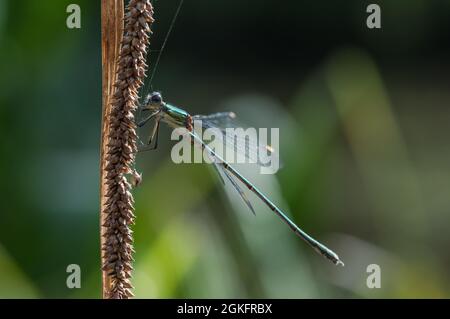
(219, 168)
(240, 144)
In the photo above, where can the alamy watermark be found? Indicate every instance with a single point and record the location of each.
(230, 145)
(73, 21)
(374, 19)
(374, 278)
(74, 278)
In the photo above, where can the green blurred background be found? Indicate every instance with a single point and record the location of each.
(364, 122)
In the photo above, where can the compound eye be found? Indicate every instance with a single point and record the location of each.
(156, 98)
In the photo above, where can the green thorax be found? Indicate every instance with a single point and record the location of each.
(175, 116)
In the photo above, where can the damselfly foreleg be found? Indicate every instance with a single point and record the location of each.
(148, 118)
(154, 136)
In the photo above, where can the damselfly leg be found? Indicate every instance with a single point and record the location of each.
(154, 136)
(148, 118)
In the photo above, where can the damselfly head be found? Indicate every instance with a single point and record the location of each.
(153, 101)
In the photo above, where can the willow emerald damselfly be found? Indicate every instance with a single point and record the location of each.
(175, 117)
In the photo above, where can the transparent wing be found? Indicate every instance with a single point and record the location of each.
(239, 190)
(238, 143)
(218, 170)
(218, 167)
(221, 119)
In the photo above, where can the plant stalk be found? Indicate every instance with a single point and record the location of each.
(125, 39)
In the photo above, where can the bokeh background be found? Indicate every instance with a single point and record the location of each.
(364, 123)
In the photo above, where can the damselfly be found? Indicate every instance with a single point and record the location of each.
(176, 117)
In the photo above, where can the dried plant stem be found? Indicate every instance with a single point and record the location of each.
(123, 74)
(112, 24)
